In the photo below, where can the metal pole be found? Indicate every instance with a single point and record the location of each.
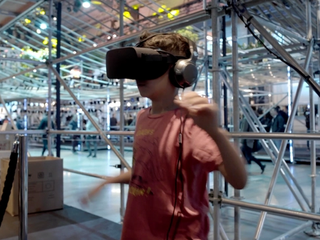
(58, 119)
(235, 85)
(205, 57)
(90, 118)
(23, 194)
(312, 151)
(251, 135)
(309, 21)
(281, 30)
(223, 234)
(85, 174)
(318, 39)
(283, 145)
(289, 110)
(8, 113)
(312, 119)
(122, 197)
(271, 209)
(49, 77)
(292, 231)
(225, 90)
(304, 74)
(258, 135)
(216, 98)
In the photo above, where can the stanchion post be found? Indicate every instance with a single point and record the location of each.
(216, 98)
(23, 191)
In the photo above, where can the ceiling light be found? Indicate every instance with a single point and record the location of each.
(114, 35)
(86, 4)
(74, 52)
(43, 26)
(54, 19)
(94, 44)
(27, 21)
(38, 31)
(34, 70)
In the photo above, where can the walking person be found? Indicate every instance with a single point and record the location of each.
(73, 125)
(44, 126)
(277, 125)
(91, 139)
(250, 146)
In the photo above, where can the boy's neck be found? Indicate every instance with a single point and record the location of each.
(164, 104)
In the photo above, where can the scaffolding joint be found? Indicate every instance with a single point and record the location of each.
(213, 199)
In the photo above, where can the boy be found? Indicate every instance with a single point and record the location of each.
(177, 143)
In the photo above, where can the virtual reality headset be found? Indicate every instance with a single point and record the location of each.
(143, 64)
(138, 63)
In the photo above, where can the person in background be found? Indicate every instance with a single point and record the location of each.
(283, 113)
(113, 122)
(19, 123)
(248, 145)
(277, 125)
(91, 139)
(5, 120)
(307, 118)
(73, 125)
(44, 126)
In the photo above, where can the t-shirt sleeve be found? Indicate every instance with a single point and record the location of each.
(204, 149)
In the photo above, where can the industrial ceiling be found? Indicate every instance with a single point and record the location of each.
(88, 33)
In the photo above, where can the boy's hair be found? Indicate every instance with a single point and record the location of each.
(173, 43)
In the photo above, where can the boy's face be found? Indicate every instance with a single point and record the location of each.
(156, 88)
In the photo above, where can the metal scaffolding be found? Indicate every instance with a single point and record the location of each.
(270, 21)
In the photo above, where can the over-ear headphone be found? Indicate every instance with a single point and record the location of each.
(184, 73)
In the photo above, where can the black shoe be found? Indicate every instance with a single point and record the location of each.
(89, 155)
(263, 168)
(94, 156)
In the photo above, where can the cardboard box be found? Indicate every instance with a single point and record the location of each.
(45, 185)
(6, 140)
(4, 154)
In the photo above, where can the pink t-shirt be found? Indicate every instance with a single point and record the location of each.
(152, 187)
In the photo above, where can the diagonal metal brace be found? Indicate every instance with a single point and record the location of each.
(242, 10)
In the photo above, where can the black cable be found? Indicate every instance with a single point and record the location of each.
(247, 25)
(178, 174)
(8, 185)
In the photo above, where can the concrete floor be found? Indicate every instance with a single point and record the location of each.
(103, 211)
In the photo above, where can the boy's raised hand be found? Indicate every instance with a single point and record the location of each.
(200, 109)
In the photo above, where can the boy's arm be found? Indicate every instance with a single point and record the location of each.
(124, 177)
(205, 116)
(232, 167)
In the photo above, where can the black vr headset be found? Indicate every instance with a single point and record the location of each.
(144, 64)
